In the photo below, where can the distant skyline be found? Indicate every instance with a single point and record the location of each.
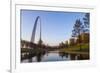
(56, 26)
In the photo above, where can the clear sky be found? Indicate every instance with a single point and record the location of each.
(56, 26)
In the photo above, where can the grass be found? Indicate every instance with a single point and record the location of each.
(76, 49)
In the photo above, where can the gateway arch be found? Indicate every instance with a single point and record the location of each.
(34, 30)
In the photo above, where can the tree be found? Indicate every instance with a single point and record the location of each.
(61, 45)
(71, 41)
(86, 22)
(40, 43)
(77, 30)
(66, 43)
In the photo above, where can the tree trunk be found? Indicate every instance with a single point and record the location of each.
(80, 41)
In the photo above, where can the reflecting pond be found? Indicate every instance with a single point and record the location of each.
(52, 56)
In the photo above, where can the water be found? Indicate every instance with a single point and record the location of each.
(52, 56)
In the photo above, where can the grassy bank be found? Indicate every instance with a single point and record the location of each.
(76, 49)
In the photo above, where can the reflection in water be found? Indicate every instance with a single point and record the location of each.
(30, 59)
(39, 57)
(63, 54)
(74, 56)
(71, 56)
(52, 56)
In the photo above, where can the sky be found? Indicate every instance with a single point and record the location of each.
(56, 26)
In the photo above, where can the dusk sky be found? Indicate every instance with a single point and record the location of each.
(56, 26)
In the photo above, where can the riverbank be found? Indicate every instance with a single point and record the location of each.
(76, 49)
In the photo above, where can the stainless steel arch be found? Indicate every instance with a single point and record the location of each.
(34, 29)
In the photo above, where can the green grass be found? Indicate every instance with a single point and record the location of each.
(76, 48)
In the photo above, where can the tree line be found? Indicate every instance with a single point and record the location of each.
(79, 29)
